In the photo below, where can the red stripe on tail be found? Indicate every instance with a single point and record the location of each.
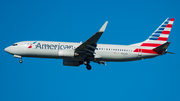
(162, 39)
(165, 32)
(169, 25)
(172, 19)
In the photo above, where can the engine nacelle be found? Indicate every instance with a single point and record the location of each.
(71, 62)
(66, 53)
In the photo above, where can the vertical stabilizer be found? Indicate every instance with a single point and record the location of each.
(157, 38)
(162, 32)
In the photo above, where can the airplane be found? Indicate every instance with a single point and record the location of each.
(76, 54)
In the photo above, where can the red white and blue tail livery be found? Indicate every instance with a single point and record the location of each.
(75, 54)
(159, 37)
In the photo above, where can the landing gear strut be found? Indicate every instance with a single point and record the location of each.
(20, 61)
(86, 62)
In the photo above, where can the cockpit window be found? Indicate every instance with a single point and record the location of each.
(14, 44)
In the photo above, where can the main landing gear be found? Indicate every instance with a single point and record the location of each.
(86, 62)
(88, 67)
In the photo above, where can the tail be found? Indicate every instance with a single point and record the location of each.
(161, 34)
(157, 40)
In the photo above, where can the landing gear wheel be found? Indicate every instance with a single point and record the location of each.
(20, 61)
(88, 67)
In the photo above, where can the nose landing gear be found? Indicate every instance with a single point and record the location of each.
(20, 57)
(20, 61)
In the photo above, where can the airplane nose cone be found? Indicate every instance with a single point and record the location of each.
(6, 49)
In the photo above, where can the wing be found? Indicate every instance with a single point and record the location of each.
(87, 48)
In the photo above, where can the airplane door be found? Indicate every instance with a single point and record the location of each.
(139, 52)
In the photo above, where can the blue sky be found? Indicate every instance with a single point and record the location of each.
(130, 21)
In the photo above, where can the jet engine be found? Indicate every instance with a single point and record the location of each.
(72, 62)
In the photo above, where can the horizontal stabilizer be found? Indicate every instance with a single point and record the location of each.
(162, 47)
(170, 52)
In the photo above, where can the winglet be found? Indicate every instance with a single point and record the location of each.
(103, 27)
